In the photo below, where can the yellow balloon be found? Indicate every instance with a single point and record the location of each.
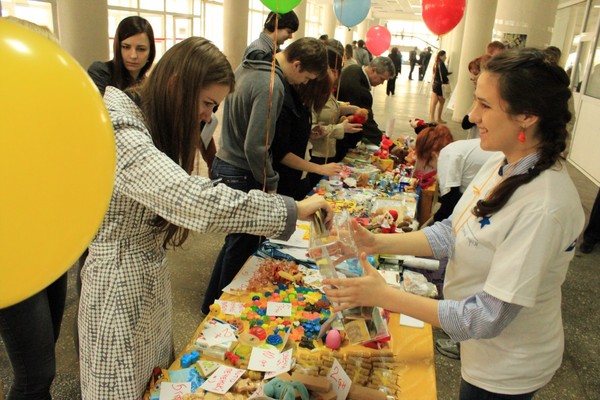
(57, 162)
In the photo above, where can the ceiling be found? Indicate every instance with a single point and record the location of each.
(396, 9)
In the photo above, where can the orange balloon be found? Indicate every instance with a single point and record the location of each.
(57, 162)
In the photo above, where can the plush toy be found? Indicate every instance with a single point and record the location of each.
(359, 117)
(388, 225)
(384, 147)
(277, 388)
(418, 124)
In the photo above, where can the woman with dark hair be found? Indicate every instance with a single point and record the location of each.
(328, 116)
(134, 53)
(509, 240)
(440, 76)
(349, 55)
(125, 322)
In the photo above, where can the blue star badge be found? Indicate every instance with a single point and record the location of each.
(484, 221)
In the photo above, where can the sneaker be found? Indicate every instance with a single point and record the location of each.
(448, 348)
(587, 247)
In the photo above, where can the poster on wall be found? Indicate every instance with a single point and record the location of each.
(514, 40)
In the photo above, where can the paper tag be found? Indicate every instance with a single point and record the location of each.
(222, 379)
(283, 364)
(340, 382)
(207, 367)
(231, 307)
(278, 309)
(239, 285)
(209, 130)
(174, 391)
(410, 321)
(263, 359)
(219, 333)
(258, 392)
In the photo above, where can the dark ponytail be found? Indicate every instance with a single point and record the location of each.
(530, 84)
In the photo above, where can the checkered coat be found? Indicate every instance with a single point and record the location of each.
(125, 309)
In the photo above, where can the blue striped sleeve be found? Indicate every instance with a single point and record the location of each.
(481, 316)
(441, 238)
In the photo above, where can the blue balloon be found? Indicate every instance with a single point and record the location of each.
(351, 12)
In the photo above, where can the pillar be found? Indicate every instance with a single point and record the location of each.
(479, 22)
(83, 30)
(330, 20)
(527, 17)
(235, 41)
(300, 11)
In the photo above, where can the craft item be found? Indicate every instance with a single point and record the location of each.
(358, 392)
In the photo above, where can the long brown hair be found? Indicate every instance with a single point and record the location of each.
(529, 83)
(169, 99)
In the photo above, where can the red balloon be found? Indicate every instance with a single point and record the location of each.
(378, 39)
(441, 16)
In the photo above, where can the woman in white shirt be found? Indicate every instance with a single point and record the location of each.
(509, 240)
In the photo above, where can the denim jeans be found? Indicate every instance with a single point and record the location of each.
(238, 246)
(470, 392)
(30, 330)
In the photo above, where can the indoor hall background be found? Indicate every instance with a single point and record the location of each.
(191, 267)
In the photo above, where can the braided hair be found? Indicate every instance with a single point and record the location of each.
(531, 84)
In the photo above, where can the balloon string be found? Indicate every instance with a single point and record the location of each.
(270, 104)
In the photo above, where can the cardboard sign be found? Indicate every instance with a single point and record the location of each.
(340, 382)
(222, 379)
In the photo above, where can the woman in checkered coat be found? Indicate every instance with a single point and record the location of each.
(125, 310)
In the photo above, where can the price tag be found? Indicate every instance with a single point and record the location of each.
(263, 359)
(174, 391)
(340, 382)
(231, 307)
(283, 364)
(218, 333)
(277, 309)
(222, 379)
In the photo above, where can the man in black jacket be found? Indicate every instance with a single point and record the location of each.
(355, 87)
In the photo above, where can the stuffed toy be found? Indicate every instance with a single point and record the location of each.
(277, 388)
(388, 225)
(418, 124)
(359, 117)
(384, 147)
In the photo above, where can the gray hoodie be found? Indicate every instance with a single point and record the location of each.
(245, 117)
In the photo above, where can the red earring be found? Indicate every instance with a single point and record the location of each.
(521, 136)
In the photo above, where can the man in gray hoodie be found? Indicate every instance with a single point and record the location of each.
(244, 160)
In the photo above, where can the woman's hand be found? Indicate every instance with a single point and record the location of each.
(310, 205)
(364, 239)
(350, 127)
(366, 290)
(330, 169)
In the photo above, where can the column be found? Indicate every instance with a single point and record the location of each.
(300, 11)
(235, 41)
(329, 19)
(479, 22)
(83, 30)
(526, 17)
(362, 29)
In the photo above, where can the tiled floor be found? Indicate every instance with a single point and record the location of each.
(191, 266)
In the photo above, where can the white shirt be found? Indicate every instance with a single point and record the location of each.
(520, 256)
(458, 164)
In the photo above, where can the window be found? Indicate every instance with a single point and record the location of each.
(37, 11)
(257, 14)
(314, 19)
(171, 20)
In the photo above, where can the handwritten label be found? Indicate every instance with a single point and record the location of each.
(222, 379)
(231, 307)
(239, 285)
(260, 392)
(277, 309)
(283, 364)
(174, 391)
(219, 333)
(340, 382)
(263, 359)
